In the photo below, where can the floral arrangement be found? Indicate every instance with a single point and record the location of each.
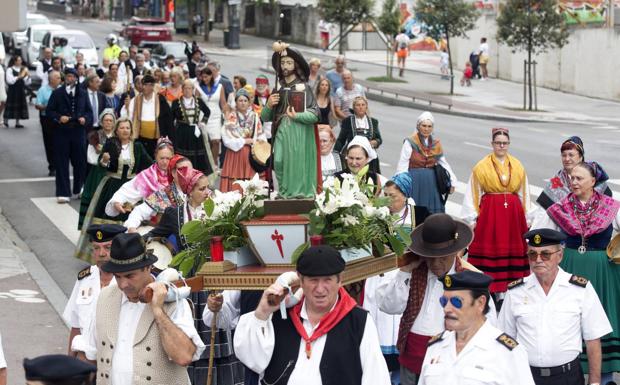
(348, 215)
(223, 214)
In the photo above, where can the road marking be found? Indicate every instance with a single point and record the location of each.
(477, 145)
(383, 164)
(22, 295)
(27, 180)
(614, 181)
(604, 128)
(63, 216)
(541, 130)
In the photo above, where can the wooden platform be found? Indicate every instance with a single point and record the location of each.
(260, 277)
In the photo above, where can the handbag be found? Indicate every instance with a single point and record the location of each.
(442, 177)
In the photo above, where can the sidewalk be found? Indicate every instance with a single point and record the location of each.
(29, 323)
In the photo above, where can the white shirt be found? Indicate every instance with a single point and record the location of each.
(81, 306)
(551, 326)
(255, 339)
(483, 49)
(11, 79)
(130, 313)
(484, 360)
(228, 316)
(387, 324)
(148, 109)
(2, 359)
(405, 155)
(392, 298)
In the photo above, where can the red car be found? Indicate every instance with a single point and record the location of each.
(146, 29)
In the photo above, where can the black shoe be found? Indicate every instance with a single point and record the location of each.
(51, 173)
(19, 126)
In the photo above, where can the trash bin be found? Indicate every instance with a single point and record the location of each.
(226, 38)
(117, 13)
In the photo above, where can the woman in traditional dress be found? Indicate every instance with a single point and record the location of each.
(558, 187)
(97, 139)
(331, 163)
(155, 204)
(420, 153)
(324, 101)
(196, 187)
(17, 78)
(241, 129)
(359, 154)
(588, 218)
(174, 90)
(496, 202)
(190, 115)
(360, 123)
(145, 183)
(212, 94)
(123, 159)
(261, 95)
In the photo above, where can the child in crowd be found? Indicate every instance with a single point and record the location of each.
(467, 75)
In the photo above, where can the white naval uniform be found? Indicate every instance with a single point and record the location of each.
(550, 326)
(82, 303)
(484, 360)
(255, 340)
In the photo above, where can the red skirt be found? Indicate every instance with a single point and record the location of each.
(236, 166)
(498, 248)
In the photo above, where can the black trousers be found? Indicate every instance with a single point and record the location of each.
(47, 127)
(69, 147)
(574, 376)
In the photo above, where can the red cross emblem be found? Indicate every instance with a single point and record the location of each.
(278, 238)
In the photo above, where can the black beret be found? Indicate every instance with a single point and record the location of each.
(320, 261)
(105, 232)
(466, 280)
(70, 71)
(56, 367)
(544, 237)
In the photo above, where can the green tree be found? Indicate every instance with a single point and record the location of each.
(534, 26)
(389, 24)
(345, 13)
(447, 18)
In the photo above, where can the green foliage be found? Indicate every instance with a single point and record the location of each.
(534, 26)
(345, 12)
(389, 20)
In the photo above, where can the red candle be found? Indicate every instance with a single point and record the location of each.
(316, 240)
(217, 249)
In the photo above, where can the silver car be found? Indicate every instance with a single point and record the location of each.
(35, 35)
(78, 40)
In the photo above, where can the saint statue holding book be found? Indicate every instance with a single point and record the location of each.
(293, 111)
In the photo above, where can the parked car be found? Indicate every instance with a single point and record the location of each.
(161, 49)
(18, 39)
(146, 29)
(35, 35)
(78, 40)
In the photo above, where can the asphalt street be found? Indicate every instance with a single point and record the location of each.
(23, 169)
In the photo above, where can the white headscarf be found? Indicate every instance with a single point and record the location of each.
(425, 116)
(363, 142)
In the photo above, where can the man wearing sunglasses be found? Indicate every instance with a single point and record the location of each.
(471, 350)
(414, 292)
(551, 312)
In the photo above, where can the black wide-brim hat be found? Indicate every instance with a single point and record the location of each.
(128, 253)
(439, 236)
(293, 53)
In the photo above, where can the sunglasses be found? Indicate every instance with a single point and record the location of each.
(457, 302)
(544, 255)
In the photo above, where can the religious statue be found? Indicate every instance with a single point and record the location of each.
(293, 111)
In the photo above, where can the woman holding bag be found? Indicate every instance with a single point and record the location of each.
(241, 129)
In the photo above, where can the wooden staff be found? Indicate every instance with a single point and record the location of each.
(212, 346)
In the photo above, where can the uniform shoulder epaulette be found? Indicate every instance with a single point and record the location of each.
(84, 273)
(578, 280)
(516, 283)
(506, 340)
(436, 338)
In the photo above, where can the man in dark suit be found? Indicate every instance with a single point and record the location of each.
(96, 99)
(70, 110)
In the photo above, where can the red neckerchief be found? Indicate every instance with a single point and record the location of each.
(344, 305)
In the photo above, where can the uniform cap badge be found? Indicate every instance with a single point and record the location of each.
(99, 235)
(447, 281)
(537, 239)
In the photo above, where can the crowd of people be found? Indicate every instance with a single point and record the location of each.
(510, 293)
